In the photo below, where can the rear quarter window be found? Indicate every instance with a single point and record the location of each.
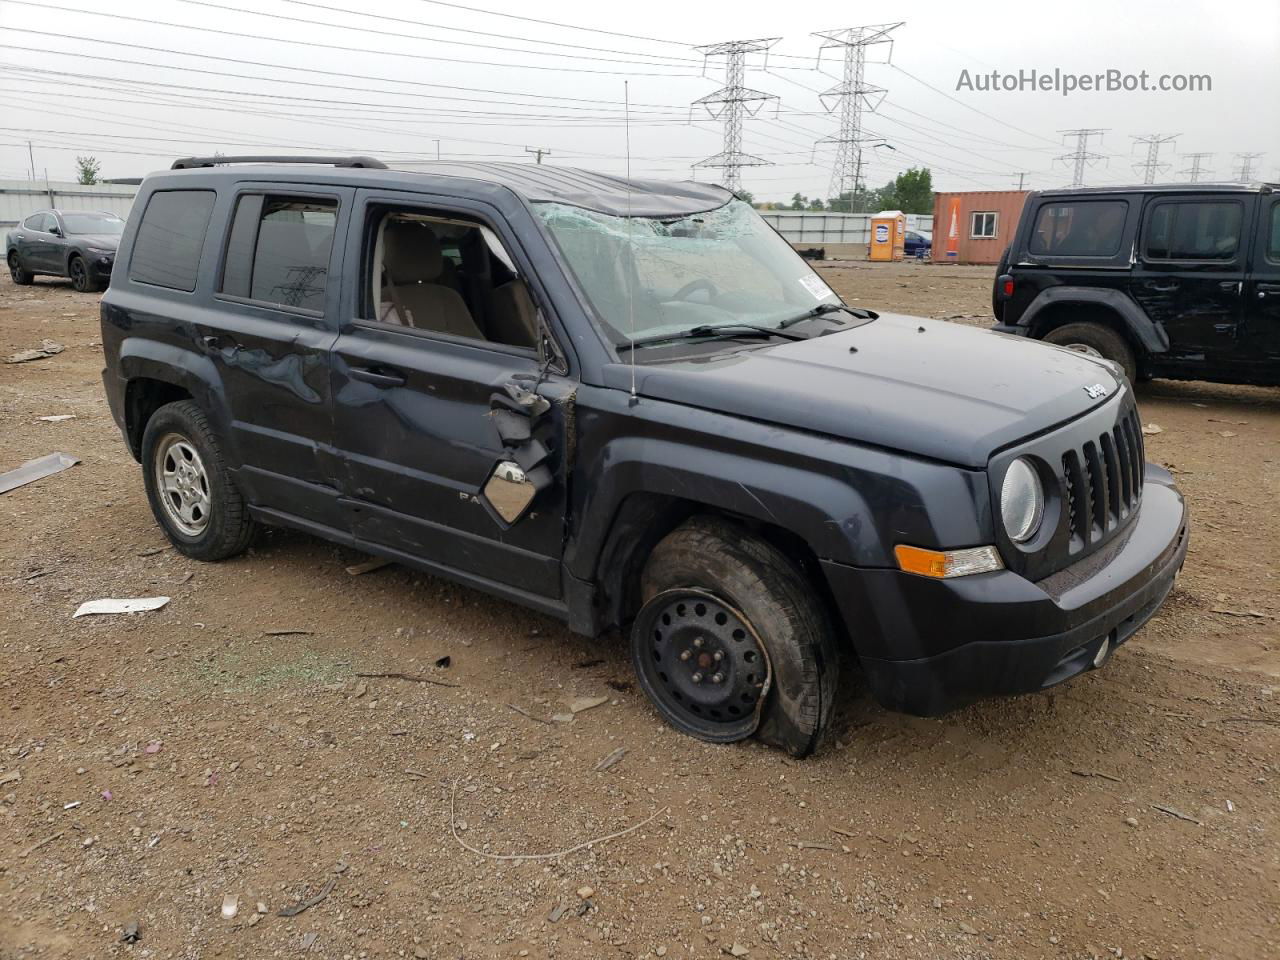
(1078, 228)
(170, 238)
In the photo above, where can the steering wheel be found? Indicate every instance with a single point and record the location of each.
(693, 286)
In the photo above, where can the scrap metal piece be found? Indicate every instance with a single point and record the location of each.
(130, 605)
(36, 469)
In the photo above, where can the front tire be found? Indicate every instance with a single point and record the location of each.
(78, 271)
(189, 486)
(1095, 339)
(16, 272)
(756, 599)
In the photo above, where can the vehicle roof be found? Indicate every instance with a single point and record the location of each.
(536, 183)
(1255, 187)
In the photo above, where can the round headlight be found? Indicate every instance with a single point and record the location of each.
(1021, 501)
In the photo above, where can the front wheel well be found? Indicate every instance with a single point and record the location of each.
(143, 397)
(641, 523)
(1060, 314)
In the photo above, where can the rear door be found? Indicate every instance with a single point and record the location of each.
(413, 407)
(1260, 336)
(1190, 271)
(275, 300)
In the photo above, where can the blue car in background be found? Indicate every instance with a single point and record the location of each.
(918, 244)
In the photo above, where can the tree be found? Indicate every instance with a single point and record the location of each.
(745, 195)
(87, 169)
(911, 192)
(817, 204)
(798, 202)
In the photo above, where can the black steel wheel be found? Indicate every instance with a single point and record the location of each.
(702, 665)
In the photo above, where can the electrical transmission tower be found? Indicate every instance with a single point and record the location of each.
(853, 95)
(732, 103)
(1244, 174)
(1081, 157)
(1152, 165)
(1197, 171)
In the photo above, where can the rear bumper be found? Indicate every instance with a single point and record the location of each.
(929, 646)
(1006, 328)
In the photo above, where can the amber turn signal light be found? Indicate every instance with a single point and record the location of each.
(942, 564)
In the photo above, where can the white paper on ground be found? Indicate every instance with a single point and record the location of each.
(134, 605)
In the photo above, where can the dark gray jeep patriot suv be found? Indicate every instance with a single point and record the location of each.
(631, 405)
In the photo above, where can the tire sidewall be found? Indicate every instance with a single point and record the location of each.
(17, 273)
(1110, 344)
(174, 418)
(793, 628)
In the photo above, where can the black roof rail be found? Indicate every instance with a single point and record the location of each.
(187, 163)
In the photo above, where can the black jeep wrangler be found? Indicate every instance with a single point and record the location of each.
(1178, 281)
(632, 406)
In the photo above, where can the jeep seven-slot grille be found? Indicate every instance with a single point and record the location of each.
(1103, 481)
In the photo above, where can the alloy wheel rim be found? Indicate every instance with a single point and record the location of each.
(77, 274)
(702, 664)
(182, 485)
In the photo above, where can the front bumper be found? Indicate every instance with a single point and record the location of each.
(929, 646)
(100, 265)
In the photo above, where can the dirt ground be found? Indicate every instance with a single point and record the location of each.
(152, 765)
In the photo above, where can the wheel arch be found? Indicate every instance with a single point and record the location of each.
(1058, 306)
(156, 374)
(641, 522)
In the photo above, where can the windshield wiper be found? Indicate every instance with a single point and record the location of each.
(715, 331)
(825, 308)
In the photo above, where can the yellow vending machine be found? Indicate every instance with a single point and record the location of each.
(888, 234)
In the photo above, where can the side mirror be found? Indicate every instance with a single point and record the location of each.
(55, 230)
(509, 491)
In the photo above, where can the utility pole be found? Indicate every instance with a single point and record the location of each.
(437, 149)
(538, 152)
(732, 103)
(1022, 178)
(1245, 172)
(1081, 157)
(1197, 171)
(1153, 141)
(853, 94)
(32, 158)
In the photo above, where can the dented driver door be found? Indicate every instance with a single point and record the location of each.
(422, 422)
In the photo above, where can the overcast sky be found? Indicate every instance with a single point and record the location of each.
(71, 84)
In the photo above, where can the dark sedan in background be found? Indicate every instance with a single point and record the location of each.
(917, 243)
(56, 243)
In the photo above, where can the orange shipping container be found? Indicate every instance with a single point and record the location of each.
(983, 222)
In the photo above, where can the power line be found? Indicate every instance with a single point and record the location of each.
(1022, 178)
(1197, 171)
(852, 94)
(730, 103)
(1152, 165)
(1081, 157)
(324, 46)
(981, 113)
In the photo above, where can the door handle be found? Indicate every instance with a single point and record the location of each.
(1265, 288)
(1162, 287)
(1231, 286)
(378, 376)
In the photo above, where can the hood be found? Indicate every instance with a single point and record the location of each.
(927, 387)
(102, 241)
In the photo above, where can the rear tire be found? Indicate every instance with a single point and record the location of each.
(189, 486)
(16, 272)
(756, 580)
(1099, 340)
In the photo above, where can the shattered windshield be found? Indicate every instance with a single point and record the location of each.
(652, 277)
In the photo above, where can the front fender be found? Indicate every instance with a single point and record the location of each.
(846, 502)
(1150, 335)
